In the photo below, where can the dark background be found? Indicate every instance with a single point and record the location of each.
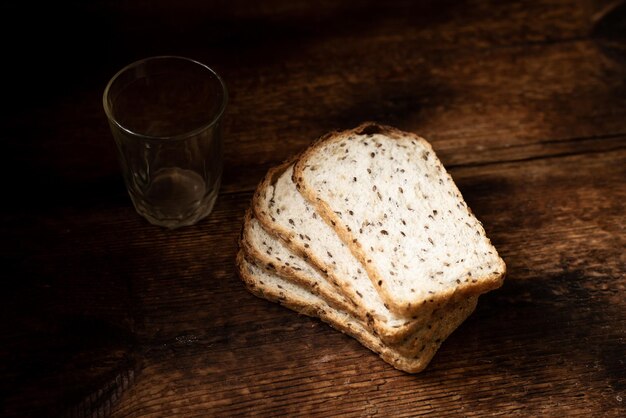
(524, 102)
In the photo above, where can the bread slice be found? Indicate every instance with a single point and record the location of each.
(393, 204)
(269, 286)
(268, 251)
(273, 254)
(279, 208)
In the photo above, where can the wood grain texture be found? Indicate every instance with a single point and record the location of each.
(524, 102)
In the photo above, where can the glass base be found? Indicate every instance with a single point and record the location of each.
(176, 198)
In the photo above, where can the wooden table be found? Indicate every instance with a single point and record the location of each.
(525, 103)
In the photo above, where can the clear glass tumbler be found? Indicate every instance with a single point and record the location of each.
(165, 114)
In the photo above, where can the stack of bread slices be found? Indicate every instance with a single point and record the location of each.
(368, 232)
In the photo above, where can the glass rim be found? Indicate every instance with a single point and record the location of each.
(109, 113)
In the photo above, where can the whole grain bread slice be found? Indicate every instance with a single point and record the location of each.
(267, 285)
(391, 201)
(282, 211)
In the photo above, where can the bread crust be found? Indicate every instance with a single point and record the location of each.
(478, 285)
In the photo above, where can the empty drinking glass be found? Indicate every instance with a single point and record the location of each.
(165, 114)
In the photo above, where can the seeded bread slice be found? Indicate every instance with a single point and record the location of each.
(393, 204)
(266, 285)
(280, 209)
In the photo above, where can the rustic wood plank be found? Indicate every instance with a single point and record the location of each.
(481, 99)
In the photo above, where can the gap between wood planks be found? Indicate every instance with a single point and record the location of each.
(548, 149)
